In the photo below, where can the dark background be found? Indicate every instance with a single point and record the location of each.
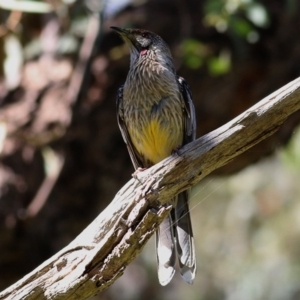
(63, 158)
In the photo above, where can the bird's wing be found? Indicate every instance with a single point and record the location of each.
(189, 109)
(184, 233)
(131, 149)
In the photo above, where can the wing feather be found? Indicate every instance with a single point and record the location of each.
(189, 109)
(124, 131)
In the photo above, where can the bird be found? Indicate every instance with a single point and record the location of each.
(156, 117)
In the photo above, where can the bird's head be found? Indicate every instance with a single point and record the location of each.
(145, 44)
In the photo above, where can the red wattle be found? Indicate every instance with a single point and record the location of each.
(144, 52)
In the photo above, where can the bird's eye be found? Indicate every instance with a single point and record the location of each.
(145, 35)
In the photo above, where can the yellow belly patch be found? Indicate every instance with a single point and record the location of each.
(157, 142)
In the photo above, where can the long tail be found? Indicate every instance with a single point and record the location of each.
(176, 227)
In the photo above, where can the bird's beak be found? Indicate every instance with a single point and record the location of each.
(126, 35)
(118, 29)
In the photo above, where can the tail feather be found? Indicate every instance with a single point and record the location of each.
(165, 251)
(185, 239)
(177, 226)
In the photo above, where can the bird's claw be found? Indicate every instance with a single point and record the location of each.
(176, 150)
(136, 172)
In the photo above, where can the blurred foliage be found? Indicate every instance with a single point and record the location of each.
(195, 54)
(221, 64)
(239, 16)
(21, 32)
(240, 19)
(26, 6)
(291, 153)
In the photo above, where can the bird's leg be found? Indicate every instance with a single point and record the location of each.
(176, 150)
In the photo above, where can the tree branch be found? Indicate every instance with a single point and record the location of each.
(99, 255)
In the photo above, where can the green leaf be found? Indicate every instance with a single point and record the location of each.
(219, 65)
(193, 53)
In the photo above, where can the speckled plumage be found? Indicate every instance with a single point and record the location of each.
(156, 116)
(159, 117)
